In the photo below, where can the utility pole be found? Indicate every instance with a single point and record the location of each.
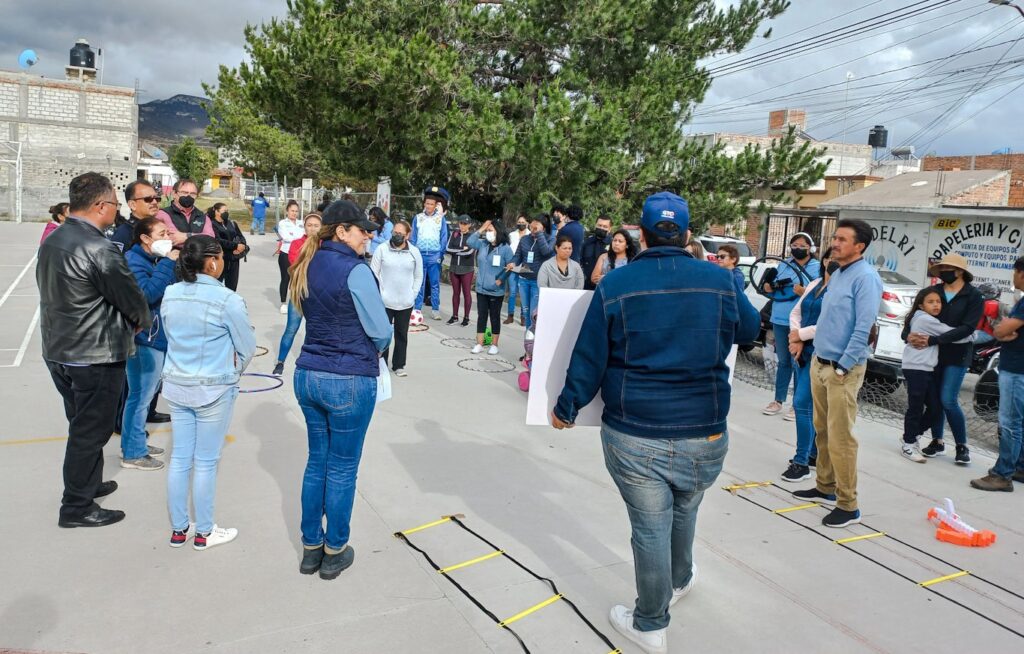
(846, 112)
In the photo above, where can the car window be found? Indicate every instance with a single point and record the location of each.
(711, 246)
(894, 278)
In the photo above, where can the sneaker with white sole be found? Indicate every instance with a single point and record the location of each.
(145, 463)
(790, 415)
(773, 408)
(180, 536)
(680, 593)
(493, 350)
(912, 451)
(796, 472)
(436, 315)
(652, 642)
(284, 309)
(529, 335)
(153, 450)
(213, 538)
(401, 373)
(477, 349)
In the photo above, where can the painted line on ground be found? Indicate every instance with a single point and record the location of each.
(17, 280)
(18, 358)
(52, 439)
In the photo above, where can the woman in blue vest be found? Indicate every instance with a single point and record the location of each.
(347, 329)
(803, 320)
(790, 283)
(151, 259)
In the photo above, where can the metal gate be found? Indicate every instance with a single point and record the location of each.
(782, 225)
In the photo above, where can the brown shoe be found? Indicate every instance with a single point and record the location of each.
(522, 321)
(1019, 476)
(992, 482)
(509, 320)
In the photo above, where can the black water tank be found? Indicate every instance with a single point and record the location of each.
(878, 137)
(82, 55)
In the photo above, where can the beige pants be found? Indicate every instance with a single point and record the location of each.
(835, 412)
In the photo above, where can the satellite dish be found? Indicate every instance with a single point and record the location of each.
(27, 59)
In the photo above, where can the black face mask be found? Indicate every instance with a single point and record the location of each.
(187, 201)
(948, 276)
(521, 226)
(799, 253)
(600, 233)
(225, 216)
(397, 240)
(833, 266)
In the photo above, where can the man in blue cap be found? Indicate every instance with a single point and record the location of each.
(654, 343)
(430, 236)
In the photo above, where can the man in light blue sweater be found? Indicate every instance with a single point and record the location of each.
(841, 351)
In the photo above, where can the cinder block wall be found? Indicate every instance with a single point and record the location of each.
(1012, 162)
(65, 128)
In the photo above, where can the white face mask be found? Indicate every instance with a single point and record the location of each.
(161, 248)
(489, 236)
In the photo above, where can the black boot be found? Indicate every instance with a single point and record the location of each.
(311, 559)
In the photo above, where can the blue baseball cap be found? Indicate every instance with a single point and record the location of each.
(665, 207)
(438, 193)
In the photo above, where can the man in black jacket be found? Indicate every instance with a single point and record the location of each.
(962, 307)
(91, 308)
(143, 202)
(593, 247)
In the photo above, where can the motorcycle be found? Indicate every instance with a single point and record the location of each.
(986, 391)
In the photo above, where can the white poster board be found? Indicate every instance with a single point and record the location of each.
(384, 194)
(559, 318)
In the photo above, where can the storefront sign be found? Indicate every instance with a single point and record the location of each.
(900, 247)
(990, 247)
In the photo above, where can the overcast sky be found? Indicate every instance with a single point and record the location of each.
(172, 47)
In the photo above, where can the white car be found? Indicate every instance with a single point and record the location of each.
(712, 243)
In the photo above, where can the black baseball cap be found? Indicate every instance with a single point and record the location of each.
(346, 212)
(465, 219)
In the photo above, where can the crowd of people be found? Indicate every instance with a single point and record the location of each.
(132, 308)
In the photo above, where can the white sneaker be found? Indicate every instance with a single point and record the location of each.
(680, 593)
(529, 335)
(493, 350)
(401, 373)
(773, 408)
(436, 315)
(652, 642)
(477, 349)
(217, 536)
(790, 415)
(912, 452)
(284, 309)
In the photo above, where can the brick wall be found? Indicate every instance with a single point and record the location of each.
(991, 194)
(65, 128)
(1012, 162)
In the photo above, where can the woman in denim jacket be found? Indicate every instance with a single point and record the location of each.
(210, 342)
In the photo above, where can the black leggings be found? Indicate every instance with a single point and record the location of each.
(923, 404)
(282, 263)
(488, 305)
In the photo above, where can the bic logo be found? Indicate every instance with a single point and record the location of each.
(947, 223)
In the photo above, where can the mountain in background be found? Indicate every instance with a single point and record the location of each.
(166, 122)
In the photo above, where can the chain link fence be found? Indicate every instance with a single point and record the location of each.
(880, 400)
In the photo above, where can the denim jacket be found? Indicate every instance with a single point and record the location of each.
(488, 274)
(654, 342)
(210, 339)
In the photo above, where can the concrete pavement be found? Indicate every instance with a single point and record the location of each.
(453, 441)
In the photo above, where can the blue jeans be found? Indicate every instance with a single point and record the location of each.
(432, 276)
(259, 225)
(198, 439)
(662, 482)
(951, 379)
(513, 292)
(529, 296)
(784, 373)
(803, 407)
(291, 328)
(337, 409)
(1011, 425)
(143, 372)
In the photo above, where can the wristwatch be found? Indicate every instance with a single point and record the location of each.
(841, 371)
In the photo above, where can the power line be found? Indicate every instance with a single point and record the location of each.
(974, 115)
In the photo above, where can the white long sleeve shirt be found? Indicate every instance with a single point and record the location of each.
(289, 231)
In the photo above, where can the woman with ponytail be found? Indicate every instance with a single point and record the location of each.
(347, 329)
(58, 214)
(210, 342)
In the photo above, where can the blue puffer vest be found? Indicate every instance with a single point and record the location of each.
(335, 340)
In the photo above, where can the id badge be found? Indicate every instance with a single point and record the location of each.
(529, 257)
(496, 261)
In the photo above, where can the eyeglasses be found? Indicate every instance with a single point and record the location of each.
(117, 205)
(147, 199)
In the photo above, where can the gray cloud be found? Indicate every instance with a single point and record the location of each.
(172, 48)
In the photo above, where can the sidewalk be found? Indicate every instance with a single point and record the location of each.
(453, 441)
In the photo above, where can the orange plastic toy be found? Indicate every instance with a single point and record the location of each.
(951, 529)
